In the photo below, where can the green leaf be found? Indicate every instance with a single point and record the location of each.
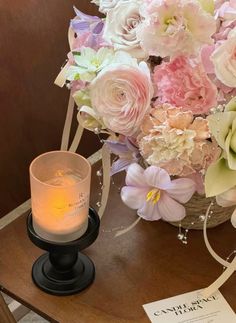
(231, 155)
(220, 124)
(77, 77)
(219, 178)
(231, 106)
(81, 97)
(76, 53)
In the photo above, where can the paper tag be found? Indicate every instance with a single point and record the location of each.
(191, 308)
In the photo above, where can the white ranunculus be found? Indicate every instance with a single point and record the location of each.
(224, 60)
(121, 26)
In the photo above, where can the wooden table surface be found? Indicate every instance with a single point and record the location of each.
(145, 265)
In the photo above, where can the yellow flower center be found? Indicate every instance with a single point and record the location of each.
(95, 62)
(153, 196)
(170, 21)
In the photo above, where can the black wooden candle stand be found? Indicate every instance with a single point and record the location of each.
(63, 270)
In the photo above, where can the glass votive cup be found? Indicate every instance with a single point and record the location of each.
(60, 190)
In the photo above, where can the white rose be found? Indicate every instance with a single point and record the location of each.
(121, 26)
(106, 5)
(224, 60)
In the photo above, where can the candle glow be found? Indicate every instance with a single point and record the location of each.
(60, 184)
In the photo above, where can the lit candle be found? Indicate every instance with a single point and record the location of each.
(60, 188)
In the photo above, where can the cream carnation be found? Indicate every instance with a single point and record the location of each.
(121, 95)
(174, 140)
(121, 26)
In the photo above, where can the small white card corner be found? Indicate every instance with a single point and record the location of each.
(191, 308)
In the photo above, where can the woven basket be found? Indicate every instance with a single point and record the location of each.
(196, 207)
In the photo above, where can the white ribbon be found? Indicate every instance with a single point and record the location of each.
(61, 77)
(67, 125)
(106, 166)
(231, 267)
(60, 81)
(77, 138)
(221, 280)
(121, 232)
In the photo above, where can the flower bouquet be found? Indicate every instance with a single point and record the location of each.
(159, 77)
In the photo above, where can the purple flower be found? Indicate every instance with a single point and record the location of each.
(155, 195)
(128, 153)
(89, 30)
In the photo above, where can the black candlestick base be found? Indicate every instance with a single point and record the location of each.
(64, 270)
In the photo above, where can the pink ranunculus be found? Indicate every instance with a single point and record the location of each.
(121, 95)
(155, 195)
(184, 83)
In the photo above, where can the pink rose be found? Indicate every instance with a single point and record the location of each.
(184, 83)
(121, 95)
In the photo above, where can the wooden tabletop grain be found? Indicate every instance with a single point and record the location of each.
(145, 265)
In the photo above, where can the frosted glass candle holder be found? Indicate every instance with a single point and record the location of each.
(60, 189)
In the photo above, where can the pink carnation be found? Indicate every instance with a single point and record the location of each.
(184, 83)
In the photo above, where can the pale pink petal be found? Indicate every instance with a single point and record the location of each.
(149, 212)
(227, 198)
(181, 189)
(205, 55)
(157, 177)
(134, 197)
(198, 179)
(119, 165)
(233, 219)
(169, 209)
(135, 176)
